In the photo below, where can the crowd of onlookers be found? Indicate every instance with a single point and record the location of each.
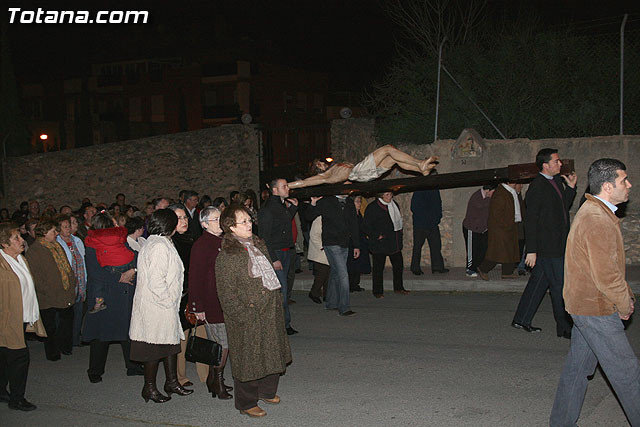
(104, 274)
(147, 279)
(96, 273)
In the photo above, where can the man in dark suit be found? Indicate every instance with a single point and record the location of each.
(546, 228)
(191, 202)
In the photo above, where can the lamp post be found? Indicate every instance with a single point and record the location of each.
(435, 136)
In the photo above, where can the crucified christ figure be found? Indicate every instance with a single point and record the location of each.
(372, 167)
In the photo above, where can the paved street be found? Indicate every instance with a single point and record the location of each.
(426, 359)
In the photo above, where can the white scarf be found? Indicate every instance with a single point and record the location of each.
(30, 308)
(516, 202)
(394, 213)
(136, 245)
(259, 265)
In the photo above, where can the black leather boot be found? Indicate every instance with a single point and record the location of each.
(150, 390)
(226, 387)
(218, 388)
(171, 372)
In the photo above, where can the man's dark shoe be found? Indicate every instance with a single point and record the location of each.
(291, 331)
(483, 275)
(315, 299)
(418, 272)
(95, 379)
(356, 288)
(66, 352)
(565, 334)
(348, 313)
(527, 328)
(401, 292)
(22, 405)
(4, 397)
(442, 270)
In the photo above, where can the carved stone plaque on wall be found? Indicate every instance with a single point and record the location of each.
(468, 145)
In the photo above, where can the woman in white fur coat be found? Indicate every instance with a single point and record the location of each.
(155, 326)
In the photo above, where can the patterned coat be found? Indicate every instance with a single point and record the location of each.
(253, 315)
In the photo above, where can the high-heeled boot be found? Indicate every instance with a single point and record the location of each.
(215, 384)
(226, 387)
(150, 390)
(171, 372)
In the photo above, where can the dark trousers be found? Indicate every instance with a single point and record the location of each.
(291, 275)
(98, 353)
(548, 273)
(14, 367)
(507, 267)
(58, 322)
(79, 308)
(285, 259)
(248, 393)
(432, 235)
(377, 268)
(354, 280)
(321, 274)
(476, 244)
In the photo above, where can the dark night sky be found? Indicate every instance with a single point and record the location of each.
(351, 39)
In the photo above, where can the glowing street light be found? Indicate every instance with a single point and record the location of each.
(329, 159)
(44, 136)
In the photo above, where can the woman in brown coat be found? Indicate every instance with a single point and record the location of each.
(249, 293)
(55, 287)
(20, 314)
(504, 217)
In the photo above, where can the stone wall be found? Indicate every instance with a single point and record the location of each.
(210, 161)
(352, 139)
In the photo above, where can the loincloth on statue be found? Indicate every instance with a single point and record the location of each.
(366, 170)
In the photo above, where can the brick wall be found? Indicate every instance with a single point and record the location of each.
(210, 161)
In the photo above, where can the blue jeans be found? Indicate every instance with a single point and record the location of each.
(597, 339)
(338, 286)
(285, 258)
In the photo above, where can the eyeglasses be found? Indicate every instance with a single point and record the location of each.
(245, 222)
(214, 219)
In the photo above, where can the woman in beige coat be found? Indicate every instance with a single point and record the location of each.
(249, 293)
(155, 330)
(20, 314)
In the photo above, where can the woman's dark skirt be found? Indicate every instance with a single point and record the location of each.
(145, 352)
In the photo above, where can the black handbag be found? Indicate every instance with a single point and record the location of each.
(202, 350)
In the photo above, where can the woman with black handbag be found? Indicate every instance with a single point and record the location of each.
(249, 293)
(155, 325)
(203, 294)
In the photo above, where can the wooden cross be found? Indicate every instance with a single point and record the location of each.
(522, 172)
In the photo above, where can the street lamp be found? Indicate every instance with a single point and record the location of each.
(44, 136)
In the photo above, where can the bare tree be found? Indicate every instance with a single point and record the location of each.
(428, 22)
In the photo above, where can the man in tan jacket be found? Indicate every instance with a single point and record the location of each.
(598, 298)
